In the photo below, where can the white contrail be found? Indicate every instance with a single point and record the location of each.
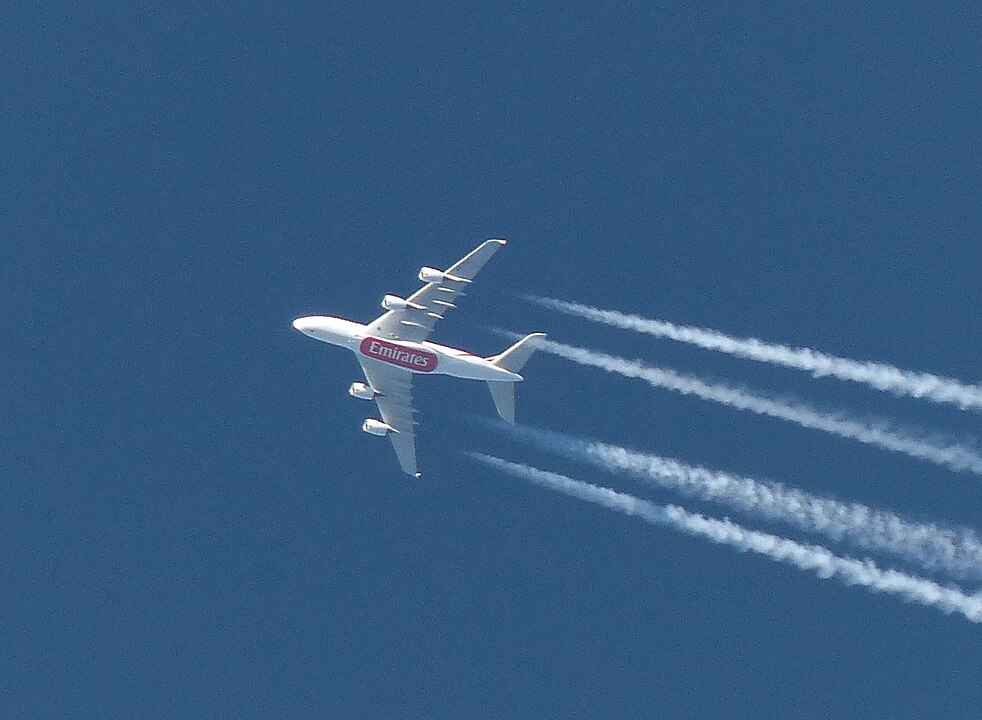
(875, 374)
(953, 456)
(957, 552)
(814, 558)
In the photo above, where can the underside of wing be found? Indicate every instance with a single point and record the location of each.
(415, 321)
(394, 398)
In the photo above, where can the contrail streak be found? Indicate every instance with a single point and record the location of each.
(812, 558)
(874, 374)
(952, 456)
(957, 552)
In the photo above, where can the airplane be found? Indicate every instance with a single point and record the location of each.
(393, 347)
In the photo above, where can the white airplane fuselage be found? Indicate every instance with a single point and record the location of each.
(425, 358)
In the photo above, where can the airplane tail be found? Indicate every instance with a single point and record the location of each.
(512, 359)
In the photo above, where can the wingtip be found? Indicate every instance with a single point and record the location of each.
(500, 241)
(418, 475)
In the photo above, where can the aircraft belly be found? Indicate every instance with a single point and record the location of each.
(472, 368)
(408, 357)
(431, 359)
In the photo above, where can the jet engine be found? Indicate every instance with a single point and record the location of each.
(394, 302)
(377, 427)
(361, 391)
(431, 275)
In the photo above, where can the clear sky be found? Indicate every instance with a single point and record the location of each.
(192, 523)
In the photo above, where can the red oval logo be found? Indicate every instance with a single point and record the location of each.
(409, 358)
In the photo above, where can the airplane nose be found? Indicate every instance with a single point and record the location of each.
(301, 324)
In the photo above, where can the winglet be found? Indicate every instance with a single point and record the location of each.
(418, 475)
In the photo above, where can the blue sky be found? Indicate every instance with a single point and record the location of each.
(193, 524)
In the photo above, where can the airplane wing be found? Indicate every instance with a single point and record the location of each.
(435, 298)
(394, 388)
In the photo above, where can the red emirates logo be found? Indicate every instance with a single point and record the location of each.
(409, 358)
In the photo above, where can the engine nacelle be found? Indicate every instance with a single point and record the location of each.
(361, 391)
(431, 275)
(394, 302)
(377, 427)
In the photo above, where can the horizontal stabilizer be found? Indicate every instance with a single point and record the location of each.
(514, 358)
(503, 394)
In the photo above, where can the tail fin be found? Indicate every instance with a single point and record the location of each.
(512, 359)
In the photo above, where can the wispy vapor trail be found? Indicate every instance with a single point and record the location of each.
(953, 456)
(957, 552)
(874, 374)
(813, 558)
